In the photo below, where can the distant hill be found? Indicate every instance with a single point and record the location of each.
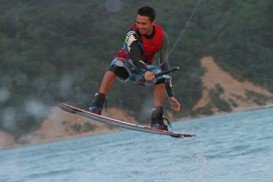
(223, 93)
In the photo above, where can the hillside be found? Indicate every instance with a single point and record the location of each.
(6, 140)
(220, 86)
(62, 125)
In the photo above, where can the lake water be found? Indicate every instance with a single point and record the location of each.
(233, 147)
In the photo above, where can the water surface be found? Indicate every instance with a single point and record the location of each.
(233, 147)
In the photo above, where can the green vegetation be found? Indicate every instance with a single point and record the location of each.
(241, 40)
(217, 101)
(77, 127)
(52, 51)
(256, 97)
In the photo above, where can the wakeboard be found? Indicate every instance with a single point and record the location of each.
(122, 124)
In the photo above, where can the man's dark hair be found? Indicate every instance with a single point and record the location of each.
(147, 11)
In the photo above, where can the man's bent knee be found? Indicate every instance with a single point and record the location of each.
(119, 71)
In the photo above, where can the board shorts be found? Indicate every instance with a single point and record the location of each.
(136, 75)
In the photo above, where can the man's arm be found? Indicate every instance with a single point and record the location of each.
(134, 49)
(164, 65)
(136, 55)
(164, 54)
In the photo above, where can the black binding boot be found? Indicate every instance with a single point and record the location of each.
(157, 119)
(96, 106)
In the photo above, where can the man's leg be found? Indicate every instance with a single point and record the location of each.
(106, 84)
(117, 68)
(157, 115)
(159, 93)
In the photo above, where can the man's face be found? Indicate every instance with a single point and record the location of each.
(144, 25)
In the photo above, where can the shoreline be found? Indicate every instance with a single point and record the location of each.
(242, 109)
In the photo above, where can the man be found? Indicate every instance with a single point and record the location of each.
(134, 63)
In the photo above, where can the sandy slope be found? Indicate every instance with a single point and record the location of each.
(62, 125)
(6, 140)
(233, 89)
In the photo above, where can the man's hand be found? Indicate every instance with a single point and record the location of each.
(175, 104)
(149, 76)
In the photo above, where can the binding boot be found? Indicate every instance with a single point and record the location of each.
(98, 102)
(157, 120)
